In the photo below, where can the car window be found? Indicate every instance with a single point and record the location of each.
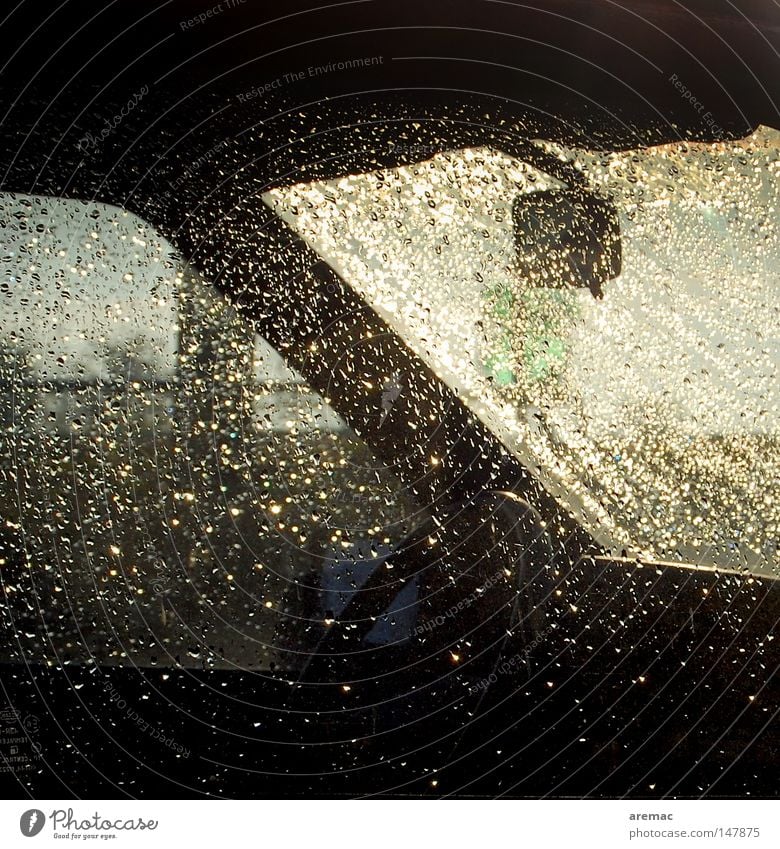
(172, 493)
(649, 408)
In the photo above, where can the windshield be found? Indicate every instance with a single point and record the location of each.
(651, 411)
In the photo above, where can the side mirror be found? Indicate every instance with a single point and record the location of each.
(567, 238)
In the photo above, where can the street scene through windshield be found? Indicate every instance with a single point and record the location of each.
(390, 402)
(654, 408)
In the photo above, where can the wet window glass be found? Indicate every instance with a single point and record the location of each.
(173, 494)
(649, 404)
(371, 475)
